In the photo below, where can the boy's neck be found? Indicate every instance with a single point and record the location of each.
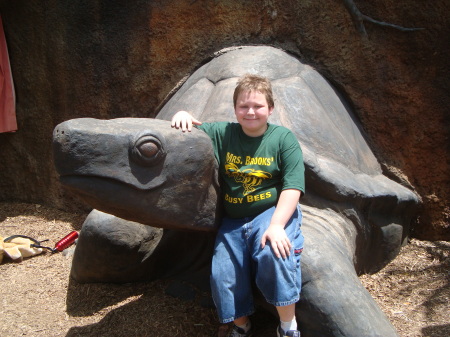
(257, 133)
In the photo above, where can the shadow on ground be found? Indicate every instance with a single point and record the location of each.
(144, 309)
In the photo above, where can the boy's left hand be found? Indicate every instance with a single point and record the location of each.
(281, 245)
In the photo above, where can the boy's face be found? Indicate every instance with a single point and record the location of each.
(252, 112)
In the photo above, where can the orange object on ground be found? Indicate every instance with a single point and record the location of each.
(7, 96)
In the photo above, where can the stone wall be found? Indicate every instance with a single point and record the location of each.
(108, 59)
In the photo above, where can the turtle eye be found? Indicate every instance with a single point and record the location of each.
(147, 150)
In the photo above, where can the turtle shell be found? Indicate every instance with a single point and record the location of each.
(338, 159)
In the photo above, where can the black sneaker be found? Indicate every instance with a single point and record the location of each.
(239, 332)
(290, 333)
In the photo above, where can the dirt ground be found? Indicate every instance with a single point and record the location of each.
(38, 298)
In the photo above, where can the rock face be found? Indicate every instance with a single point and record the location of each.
(105, 60)
(355, 218)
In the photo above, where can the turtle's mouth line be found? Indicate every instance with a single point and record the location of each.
(89, 182)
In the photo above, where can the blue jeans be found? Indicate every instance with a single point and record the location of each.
(239, 261)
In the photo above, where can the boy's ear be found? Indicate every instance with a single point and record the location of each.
(271, 110)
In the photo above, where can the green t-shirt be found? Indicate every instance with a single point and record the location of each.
(254, 170)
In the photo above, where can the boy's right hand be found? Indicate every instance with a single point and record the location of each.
(184, 120)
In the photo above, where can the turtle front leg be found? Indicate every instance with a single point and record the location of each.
(111, 249)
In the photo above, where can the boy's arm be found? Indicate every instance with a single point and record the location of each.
(275, 233)
(184, 120)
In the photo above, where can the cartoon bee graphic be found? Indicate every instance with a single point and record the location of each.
(249, 178)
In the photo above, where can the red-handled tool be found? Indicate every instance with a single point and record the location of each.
(65, 242)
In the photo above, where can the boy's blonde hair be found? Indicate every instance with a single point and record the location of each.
(251, 82)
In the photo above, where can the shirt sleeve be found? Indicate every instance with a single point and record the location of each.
(292, 166)
(216, 131)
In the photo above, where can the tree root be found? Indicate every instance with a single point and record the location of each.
(359, 18)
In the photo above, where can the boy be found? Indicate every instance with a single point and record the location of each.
(259, 240)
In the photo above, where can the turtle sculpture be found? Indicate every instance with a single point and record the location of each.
(154, 191)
